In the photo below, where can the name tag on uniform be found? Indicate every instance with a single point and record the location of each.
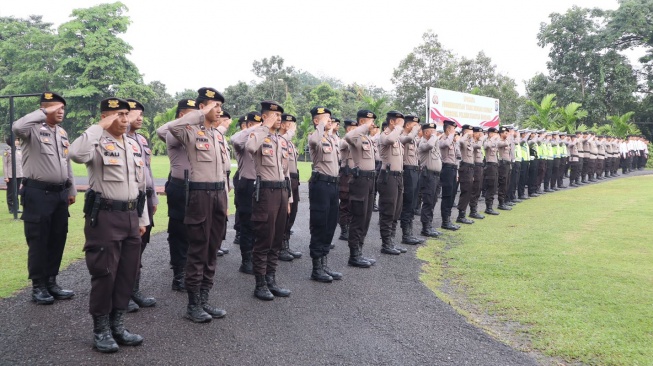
(327, 149)
(267, 152)
(366, 146)
(203, 147)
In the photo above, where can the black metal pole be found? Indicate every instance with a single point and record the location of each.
(14, 186)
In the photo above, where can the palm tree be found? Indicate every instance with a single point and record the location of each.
(569, 116)
(546, 114)
(621, 125)
(377, 106)
(303, 130)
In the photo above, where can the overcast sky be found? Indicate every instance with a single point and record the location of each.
(352, 40)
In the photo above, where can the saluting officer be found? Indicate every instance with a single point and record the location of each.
(206, 208)
(272, 200)
(503, 145)
(135, 119)
(448, 175)
(242, 124)
(48, 190)
(361, 186)
(287, 131)
(221, 127)
(346, 166)
(116, 218)
(390, 181)
(374, 135)
(411, 179)
(12, 201)
(477, 144)
(466, 173)
(574, 161)
(491, 173)
(176, 196)
(323, 193)
(431, 167)
(525, 163)
(244, 190)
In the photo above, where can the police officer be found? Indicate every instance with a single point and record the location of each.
(408, 139)
(515, 170)
(549, 154)
(346, 167)
(206, 208)
(477, 144)
(533, 166)
(594, 153)
(390, 181)
(116, 218)
(287, 131)
(48, 190)
(224, 121)
(144, 152)
(361, 185)
(176, 196)
(525, 163)
(465, 173)
(272, 200)
(323, 193)
(491, 173)
(431, 167)
(503, 145)
(374, 135)
(574, 161)
(12, 183)
(244, 190)
(448, 174)
(242, 124)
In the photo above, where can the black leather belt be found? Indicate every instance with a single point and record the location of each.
(206, 186)
(366, 173)
(463, 164)
(274, 184)
(51, 187)
(411, 167)
(294, 175)
(427, 171)
(503, 162)
(449, 166)
(392, 172)
(176, 181)
(491, 163)
(345, 170)
(478, 164)
(324, 177)
(113, 205)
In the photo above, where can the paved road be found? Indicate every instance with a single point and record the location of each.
(378, 316)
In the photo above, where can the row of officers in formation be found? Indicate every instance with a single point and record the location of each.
(406, 163)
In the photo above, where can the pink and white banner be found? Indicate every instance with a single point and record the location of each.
(462, 108)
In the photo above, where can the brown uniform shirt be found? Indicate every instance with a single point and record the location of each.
(45, 150)
(375, 143)
(113, 167)
(246, 167)
(491, 149)
(478, 150)
(6, 163)
(176, 152)
(145, 153)
(594, 150)
(447, 149)
(429, 154)
(572, 150)
(504, 149)
(467, 148)
(202, 146)
(409, 140)
(345, 156)
(293, 155)
(391, 150)
(324, 152)
(270, 153)
(361, 147)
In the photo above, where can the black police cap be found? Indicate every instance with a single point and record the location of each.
(253, 117)
(467, 127)
(52, 97)
(316, 111)
(426, 126)
(113, 104)
(288, 118)
(186, 104)
(476, 129)
(448, 123)
(269, 105)
(350, 122)
(209, 94)
(224, 114)
(492, 129)
(135, 105)
(335, 119)
(394, 114)
(365, 113)
(411, 118)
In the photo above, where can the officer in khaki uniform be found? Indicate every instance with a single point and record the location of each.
(447, 148)
(323, 193)
(116, 217)
(206, 203)
(491, 173)
(346, 166)
(503, 145)
(12, 183)
(244, 190)
(477, 144)
(222, 126)
(408, 139)
(144, 152)
(48, 190)
(430, 169)
(390, 182)
(361, 185)
(465, 173)
(287, 131)
(176, 196)
(271, 201)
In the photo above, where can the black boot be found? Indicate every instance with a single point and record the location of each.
(40, 294)
(178, 279)
(284, 254)
(429, 231)
(294, 253)
(237, 238)
(387, 246)
(375, 207)
(209, 309)
(448, 225)
(344, 232)
(57, 292)
(476, 215)
(194, 310)
(132, 307)
(369, 259)
(318, 274)
(325, 267)
(463, 220)
(119, 333)
(504, 207)
(408, 238)
(140, 299)
(490, 211)
(246, 265)
(394, 242)
(275, 289)
(261, 291)
(355, 259)
(102, 339)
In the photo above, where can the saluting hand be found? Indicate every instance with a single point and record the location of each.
(53, 108)
(107, 121)
(208, 107)
(270, 120)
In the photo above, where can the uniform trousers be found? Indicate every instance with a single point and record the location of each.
(428, 182)
(448, 182)
(177, 232)
(491, 179)
(324, 211)
(515, 172)
(411, 188)
(361, 201)
(533, 170)
(244, 193)
(466, 181)
(269, 216)
(294, 185)
(476, 186)
(343, 195)
(11, 199)
(206, 219)
(390, 187)
(503, 180)
(112, 252)
(555, 173)
(523, 178)
(548, 174)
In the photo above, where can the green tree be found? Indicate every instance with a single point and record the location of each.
(158, 146)
(621, 125)
(569, 117)
(546, 114)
